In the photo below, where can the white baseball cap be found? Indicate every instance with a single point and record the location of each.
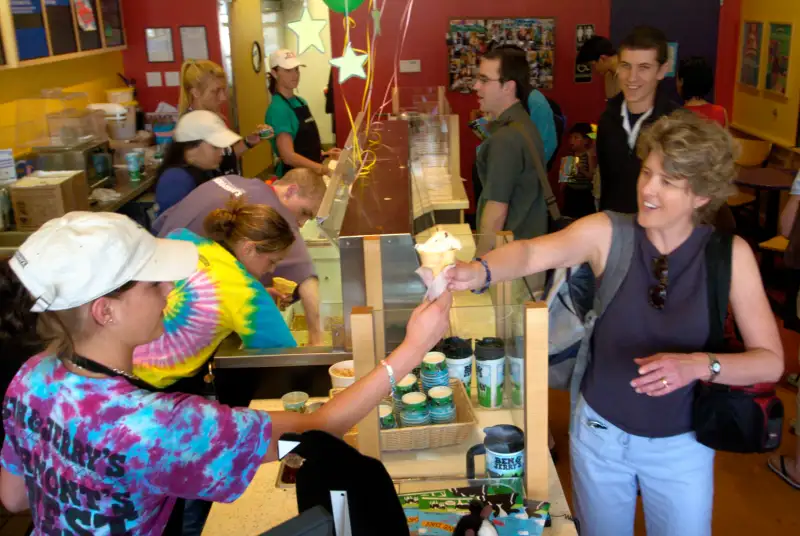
(285, 59)
(82, 256)
(206, 126)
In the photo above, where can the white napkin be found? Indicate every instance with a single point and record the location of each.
(436, 286)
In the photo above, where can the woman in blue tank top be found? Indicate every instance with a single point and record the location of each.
(631, 421)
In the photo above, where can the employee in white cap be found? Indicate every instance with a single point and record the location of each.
(296, 140)
(200, 140)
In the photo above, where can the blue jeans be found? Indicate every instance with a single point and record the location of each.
(675, 475)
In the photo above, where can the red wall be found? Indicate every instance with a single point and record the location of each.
(425, 41)
(141, 14)
(730, 24)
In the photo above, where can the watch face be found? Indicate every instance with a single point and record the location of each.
(716, 367)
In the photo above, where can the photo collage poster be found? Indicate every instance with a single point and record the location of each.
(780, 45)
(469, 40)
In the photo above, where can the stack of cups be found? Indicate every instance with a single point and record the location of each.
(403, 387)
(388, 420)
(434, 371)
(459, 357)
(490, 364)
(441, 405)
(415, 410)
(516, 367)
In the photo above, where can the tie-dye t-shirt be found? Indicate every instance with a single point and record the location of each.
(220, 298)
(101, 456)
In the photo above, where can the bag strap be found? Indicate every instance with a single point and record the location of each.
(549, 198)
(719, 261)
(619, 259)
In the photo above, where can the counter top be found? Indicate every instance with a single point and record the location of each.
(129, 190)
(263, 506)
(380, 202)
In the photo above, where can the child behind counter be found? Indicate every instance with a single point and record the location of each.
(578, 172)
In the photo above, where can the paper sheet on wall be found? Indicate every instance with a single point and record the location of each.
(154, 80)
(172, 79)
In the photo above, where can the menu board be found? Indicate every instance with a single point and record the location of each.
(88, 32)
(62, 26)
(112, 23)
(29, 29)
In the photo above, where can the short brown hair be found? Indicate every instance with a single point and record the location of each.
(647, 38)
(310, 185)
(260, 224)
(695, 149)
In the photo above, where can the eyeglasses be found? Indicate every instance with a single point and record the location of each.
(658, 293)
(485, 79)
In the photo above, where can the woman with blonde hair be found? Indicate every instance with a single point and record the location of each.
(90, 448)
(657, 332)
(205, 87)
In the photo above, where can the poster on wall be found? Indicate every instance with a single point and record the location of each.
(750, 60)
(780, 45)
(466, 43)
(468, 40)
(583, 71)
(672, 60)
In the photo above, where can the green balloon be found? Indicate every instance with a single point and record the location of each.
(339, 5)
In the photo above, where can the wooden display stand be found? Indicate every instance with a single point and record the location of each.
(368, 343)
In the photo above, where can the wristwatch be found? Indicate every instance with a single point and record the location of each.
(714, 366)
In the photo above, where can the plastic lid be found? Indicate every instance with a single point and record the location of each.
(456, 347)
(489, 348)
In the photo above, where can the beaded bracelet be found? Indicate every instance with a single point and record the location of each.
(390, 372)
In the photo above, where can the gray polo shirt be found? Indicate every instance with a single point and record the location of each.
(508, 173)
(193, 209)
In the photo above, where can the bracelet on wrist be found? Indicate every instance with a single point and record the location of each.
(488, 281)
(390, 372)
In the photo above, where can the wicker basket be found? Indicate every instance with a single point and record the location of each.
(430, 436)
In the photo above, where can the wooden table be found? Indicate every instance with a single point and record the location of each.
(771, 181)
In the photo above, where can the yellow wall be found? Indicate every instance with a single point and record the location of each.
(250, 87)
(762, 114)
(92, 75)
(315, 75)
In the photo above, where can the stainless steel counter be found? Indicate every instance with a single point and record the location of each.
(231, 355)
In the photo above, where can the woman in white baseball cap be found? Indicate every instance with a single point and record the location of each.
(91, 448)
(200, 140)
(297, 141)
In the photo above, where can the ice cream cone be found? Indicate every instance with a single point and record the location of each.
(284, 286)
(437, 261)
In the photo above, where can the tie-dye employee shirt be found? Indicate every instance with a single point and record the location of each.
(221, 297)
(101, 456)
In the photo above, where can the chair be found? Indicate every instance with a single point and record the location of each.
(753, 152)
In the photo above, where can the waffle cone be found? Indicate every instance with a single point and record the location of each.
(437, 261)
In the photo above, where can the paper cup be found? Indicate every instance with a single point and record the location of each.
(407, 385)
(387, 417)
(516, 366)
(433, 362)
(441, 397)
(343, 374)
(461, 370)
(415, 402)
(295, 401)
(491, 375)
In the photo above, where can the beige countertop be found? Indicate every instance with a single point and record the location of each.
(263, 506)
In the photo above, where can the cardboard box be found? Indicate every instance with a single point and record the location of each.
(46, 195)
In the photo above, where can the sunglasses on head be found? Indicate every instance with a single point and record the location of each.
(658, 292)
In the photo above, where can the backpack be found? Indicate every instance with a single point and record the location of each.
(560, 121)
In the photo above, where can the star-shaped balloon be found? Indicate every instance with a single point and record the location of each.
(376, 19)
(350, 65)
(308, 32)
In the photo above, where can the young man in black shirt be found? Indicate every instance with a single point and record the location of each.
(643, 64)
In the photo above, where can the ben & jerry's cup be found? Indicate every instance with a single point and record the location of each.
(441, 397)
(459, 358)
(490, 364)
(387, 417)
(295, 401)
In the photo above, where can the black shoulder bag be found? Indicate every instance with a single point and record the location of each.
(725, 417)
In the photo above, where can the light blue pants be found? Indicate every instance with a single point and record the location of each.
(675, 474)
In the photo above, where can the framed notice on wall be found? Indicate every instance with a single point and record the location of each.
(469, 39)
(194, 43)
(159, 45)
(778, 52)
(750, 61)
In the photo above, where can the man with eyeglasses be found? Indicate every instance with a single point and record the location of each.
(296, 196)
(512, 198)
(643, 63)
